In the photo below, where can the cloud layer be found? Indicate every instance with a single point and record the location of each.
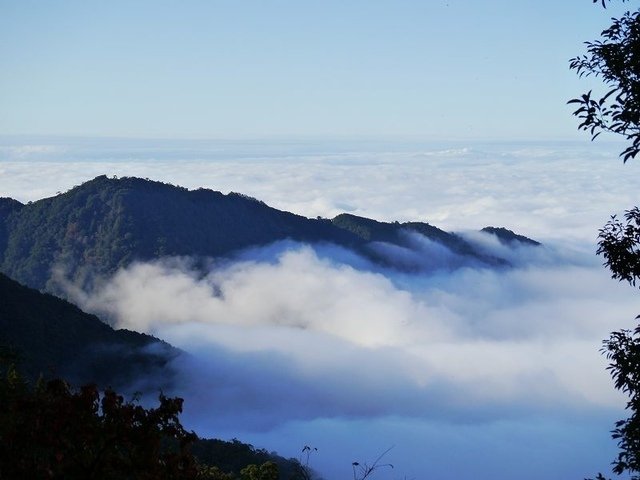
(560, 191)
(293, 335)
(471, 372)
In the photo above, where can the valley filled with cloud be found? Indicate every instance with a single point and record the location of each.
(467, 370)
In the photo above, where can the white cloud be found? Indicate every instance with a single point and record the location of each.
(30, 151)
(558, 191)
(288, 335)
(501, 336)
(288, 342)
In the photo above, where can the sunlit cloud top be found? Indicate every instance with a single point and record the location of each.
(562, 191)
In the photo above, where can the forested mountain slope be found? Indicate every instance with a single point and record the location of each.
(395, 233)
(107, 223)
(52, 337)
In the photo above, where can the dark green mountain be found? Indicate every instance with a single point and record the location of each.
(107, 223)
(396, 234)
(52, 337)
(7, 207)
(509, 237)
(233, 456)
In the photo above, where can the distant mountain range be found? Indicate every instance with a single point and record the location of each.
(107, 223)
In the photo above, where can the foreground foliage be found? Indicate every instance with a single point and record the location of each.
(620, 246)
(615, 59)
(53, 431)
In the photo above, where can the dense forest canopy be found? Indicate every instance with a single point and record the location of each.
(107, 223)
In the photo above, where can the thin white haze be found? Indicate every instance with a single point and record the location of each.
(470, 372)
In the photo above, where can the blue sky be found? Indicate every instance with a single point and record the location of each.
(450, 69)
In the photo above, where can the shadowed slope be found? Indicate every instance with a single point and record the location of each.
(54, 337)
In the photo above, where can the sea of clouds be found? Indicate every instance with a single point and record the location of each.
(468, 371)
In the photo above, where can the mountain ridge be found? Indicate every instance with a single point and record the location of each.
(105, 224)
(53, 337)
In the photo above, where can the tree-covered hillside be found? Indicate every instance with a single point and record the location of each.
(395, 233)
(509, 237)
(107, 223)
(53, 337)
(52, 430)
